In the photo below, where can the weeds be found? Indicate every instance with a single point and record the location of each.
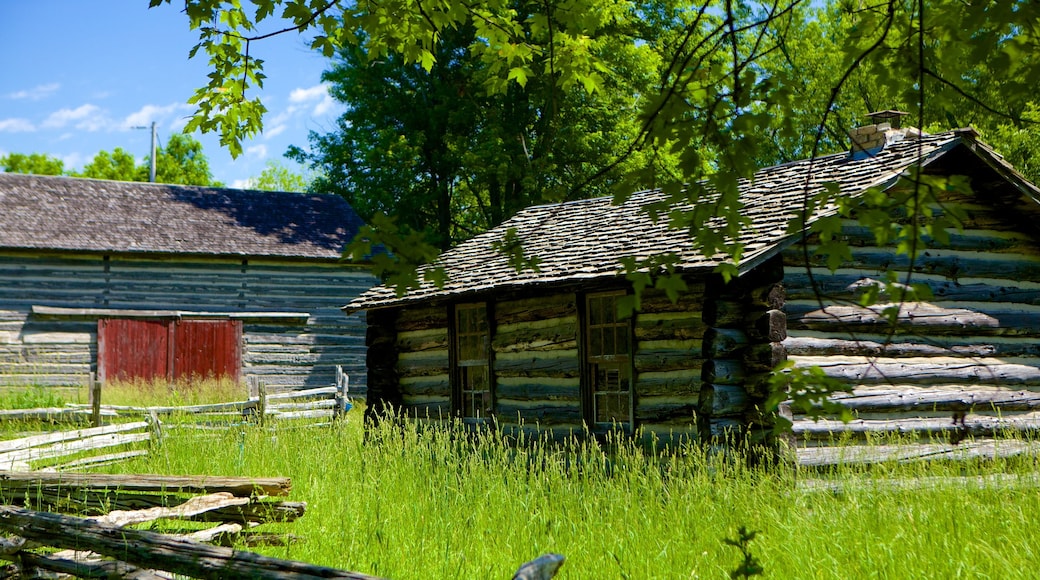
(749, 565)
(408, 502)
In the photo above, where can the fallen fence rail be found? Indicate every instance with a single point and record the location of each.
(102, 546)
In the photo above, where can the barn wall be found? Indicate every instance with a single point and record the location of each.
(63, 350)
(972, 349)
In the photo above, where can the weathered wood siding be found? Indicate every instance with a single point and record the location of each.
(536, 364)
(669, 362)
(742, 345)
(537, 369)
(63, 350)
(422, 362)
(971, 353)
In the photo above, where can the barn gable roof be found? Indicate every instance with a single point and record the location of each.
(584, 240)
(75, 214)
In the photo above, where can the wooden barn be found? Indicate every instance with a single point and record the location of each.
(141, 280)
(545, 348)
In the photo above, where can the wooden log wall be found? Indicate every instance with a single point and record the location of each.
(537, 365)
(63, 351)
(951, 365)
(421, 362)
(742, 345)
(669, 361)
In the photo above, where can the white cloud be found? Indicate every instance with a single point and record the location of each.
(242, 184)
(15, 125)
(36, 93)
(325, 105)
(258, 151)
(148, 114)
(308, 95)
(85, 117)
(318, 95)
(274, 131)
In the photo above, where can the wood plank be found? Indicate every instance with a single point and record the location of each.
(953, 264)
(973, 425)
(541, 335)
(673, 410)
(55, 414)
(842, 284)
(558, 363)
(981, 319)
(422, 340)
(525, 310)
(21, 482)
(664, 356)
(887, 398)
(853, 454)
(80, 568)
(156, 551)
(815, 343)
(540, 388)
(541, 412)
(669, 326)
(47, 438)
(928, 370)
(192, 507)
(683, 381)
(70, 448)
(426, 385)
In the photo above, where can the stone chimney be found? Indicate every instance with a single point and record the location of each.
(885, 129)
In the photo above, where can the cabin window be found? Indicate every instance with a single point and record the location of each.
(472, 361)
(608, 361)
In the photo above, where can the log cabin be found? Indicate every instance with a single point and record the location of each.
(544, 348)
(155, 281)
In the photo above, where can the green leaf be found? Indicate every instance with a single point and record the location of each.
(518, 74)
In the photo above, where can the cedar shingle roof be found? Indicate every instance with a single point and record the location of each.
(74, 214)
(583, 240)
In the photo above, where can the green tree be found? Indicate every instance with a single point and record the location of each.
(119, 165)
(33, 163)
(447, 151)
(180, 161)
(278, 177)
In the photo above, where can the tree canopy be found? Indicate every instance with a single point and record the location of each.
(278, 177)
(180, 161)
(446, 154)
(741, 83)
(33, 163)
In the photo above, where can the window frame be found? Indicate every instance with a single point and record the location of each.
(460, 366)
(623, 362)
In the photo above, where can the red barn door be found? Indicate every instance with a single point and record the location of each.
(134, 349)
(167, 349)
(207, 349)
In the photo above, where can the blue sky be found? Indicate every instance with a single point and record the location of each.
(78, 75)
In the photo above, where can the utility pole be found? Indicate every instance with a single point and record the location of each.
(151, 172)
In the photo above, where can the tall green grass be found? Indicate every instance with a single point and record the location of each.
(404, 502)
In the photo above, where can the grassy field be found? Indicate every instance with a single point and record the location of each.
(157, 393)
(426, 504)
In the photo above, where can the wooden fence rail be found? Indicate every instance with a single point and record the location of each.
(102, 546)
